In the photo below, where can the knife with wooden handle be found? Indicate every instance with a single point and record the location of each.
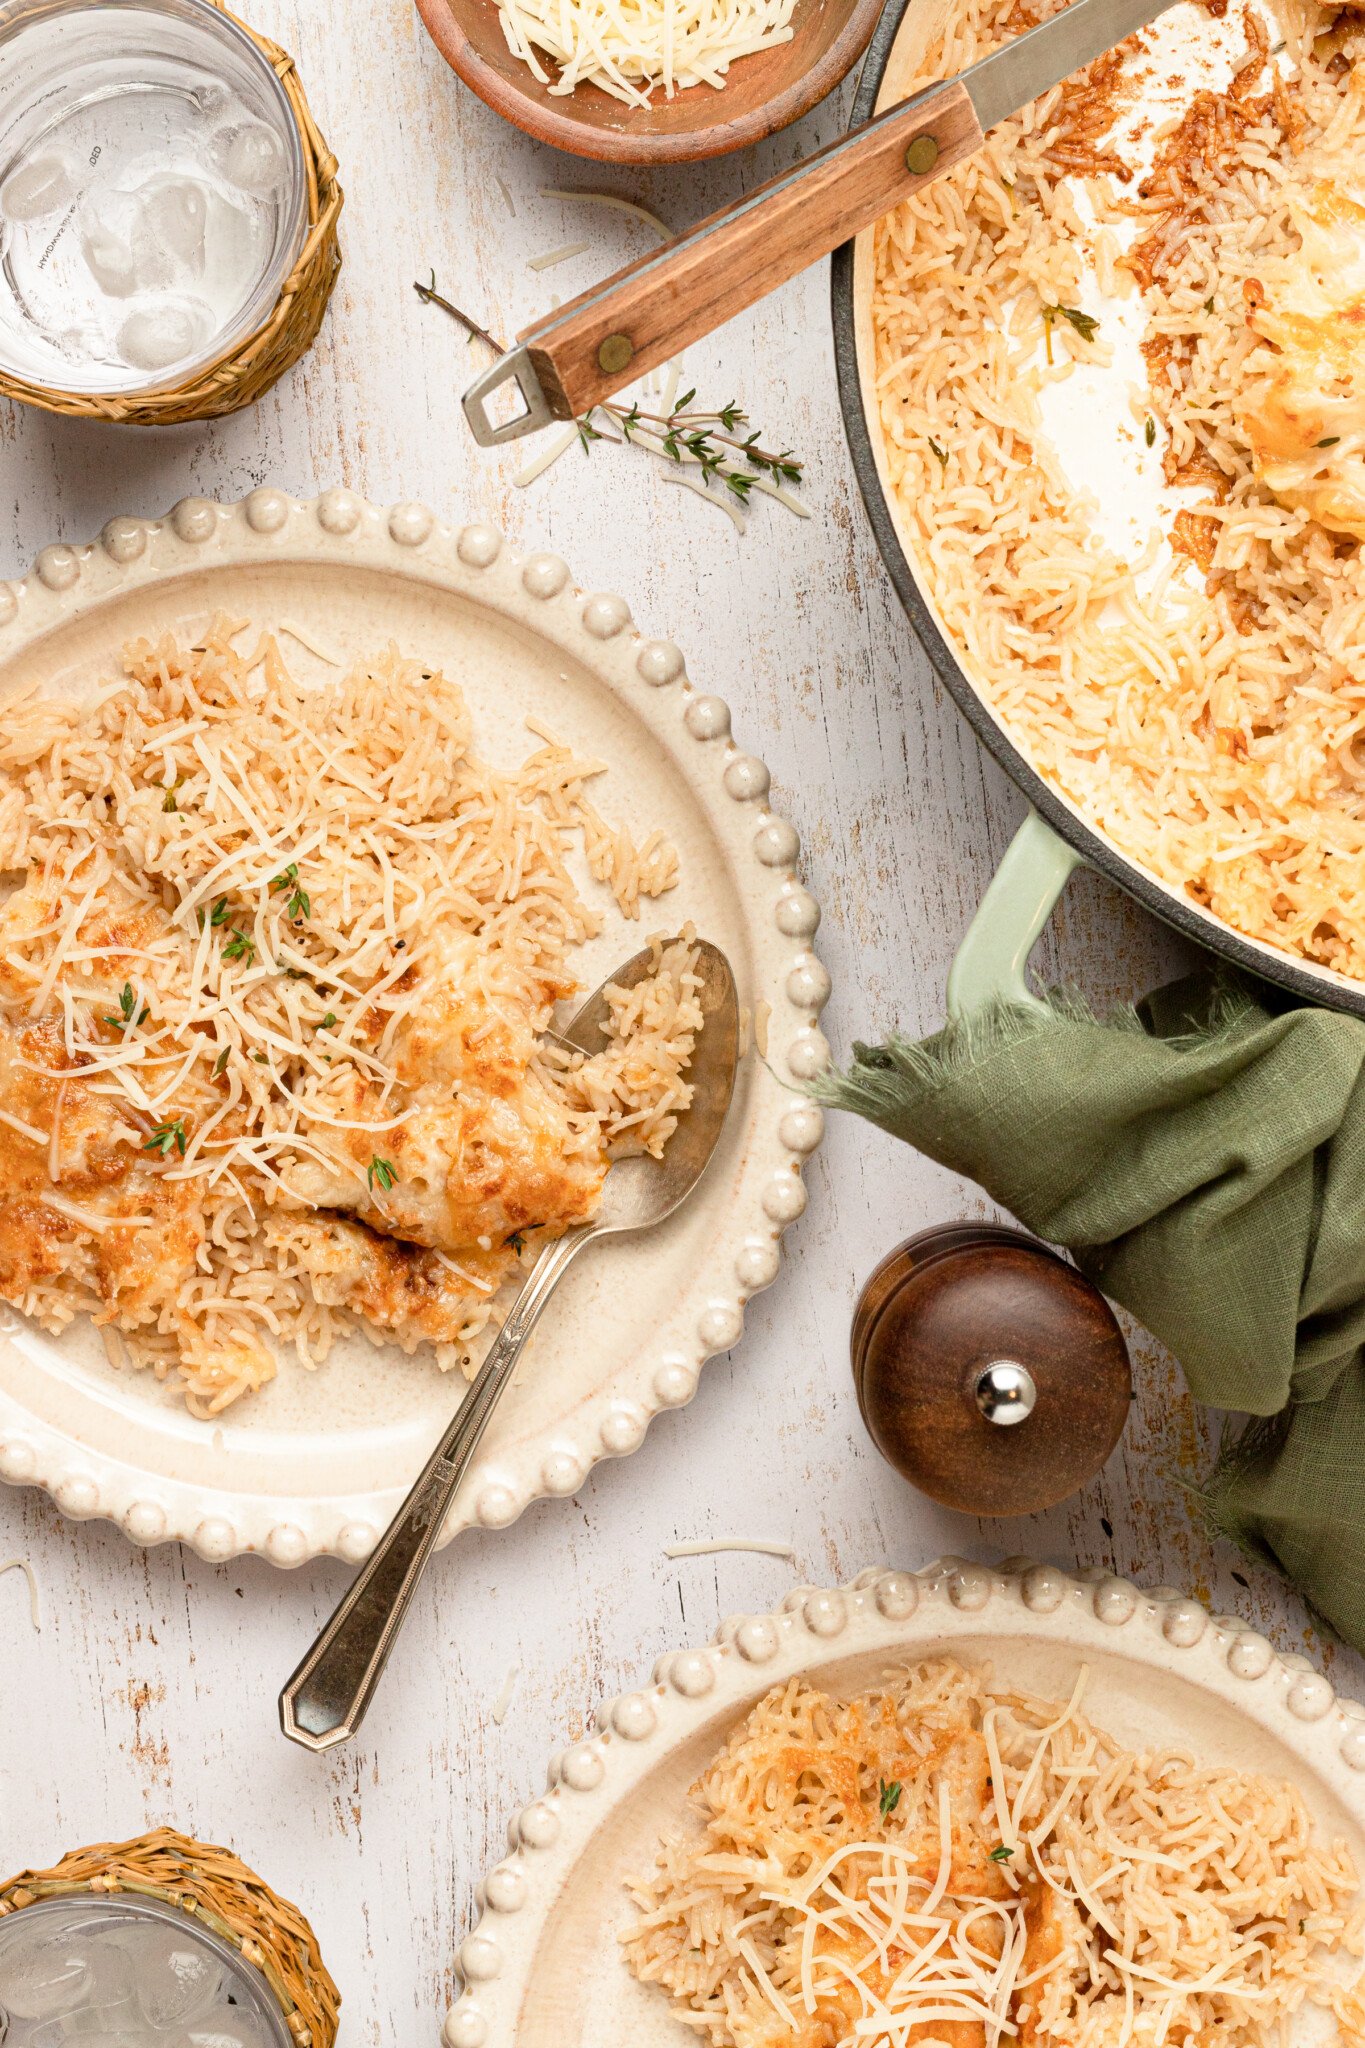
(615, 332)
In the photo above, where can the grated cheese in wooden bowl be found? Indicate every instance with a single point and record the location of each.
(633, 49)
(936, 1864)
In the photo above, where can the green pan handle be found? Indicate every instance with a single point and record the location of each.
(1023, 894)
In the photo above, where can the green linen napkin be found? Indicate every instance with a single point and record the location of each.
(1203, 1157)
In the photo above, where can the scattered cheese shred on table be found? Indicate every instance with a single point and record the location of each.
(504, 1698)
(613, 199)
(538, 464)
(706, 1546)
(726, 505)
(559, 255)
(633, 48)
(21, 1564)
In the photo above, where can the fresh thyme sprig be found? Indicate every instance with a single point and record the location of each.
(299, 904)
(381, 1170)
(710, 441)
(168, 1137)
(129, 1014)
(1085, 324)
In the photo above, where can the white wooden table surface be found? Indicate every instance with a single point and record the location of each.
(149, 1695)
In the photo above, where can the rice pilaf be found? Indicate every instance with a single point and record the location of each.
(1206, 710)
(275, 963)
(945, 1862)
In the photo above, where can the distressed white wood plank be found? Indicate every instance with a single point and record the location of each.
(149, 1696)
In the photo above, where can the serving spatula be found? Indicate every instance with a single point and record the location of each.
(615, 332)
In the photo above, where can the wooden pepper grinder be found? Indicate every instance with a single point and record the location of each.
(990, 1373)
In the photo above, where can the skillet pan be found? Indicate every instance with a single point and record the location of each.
(1055, 838)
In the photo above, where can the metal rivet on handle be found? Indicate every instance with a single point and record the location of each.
(920, 156)
(617, 350)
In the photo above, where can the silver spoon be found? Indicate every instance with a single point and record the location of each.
(328, 1696)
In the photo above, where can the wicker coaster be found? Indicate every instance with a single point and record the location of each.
(275, 346)
(213, 1886)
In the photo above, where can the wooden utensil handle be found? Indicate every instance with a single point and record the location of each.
(609, 336)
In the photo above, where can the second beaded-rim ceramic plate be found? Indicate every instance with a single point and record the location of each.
(543, 1967)
(318, 1461)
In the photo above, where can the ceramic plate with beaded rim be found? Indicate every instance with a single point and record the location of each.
(542, 1967)
(319, 1460)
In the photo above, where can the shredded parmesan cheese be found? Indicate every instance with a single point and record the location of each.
(614, 200)
(721, 501)
(498, 1711)
(634, 49)
(705, 1547)
(559, 255)
(559, 445)
(21, 1564)
(306, 640)
(921, 1867)
(272, 990)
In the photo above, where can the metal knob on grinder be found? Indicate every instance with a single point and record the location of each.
(990, 1373)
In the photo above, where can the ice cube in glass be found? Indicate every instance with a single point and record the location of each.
(175, 1981)
(227, 2026)
(38, 187)
(108, 222)
(250, 157)
(164, 330)
(172, 217)
(44, 1976)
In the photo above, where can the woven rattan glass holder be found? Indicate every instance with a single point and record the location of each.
(215, 1888)
(255, 362)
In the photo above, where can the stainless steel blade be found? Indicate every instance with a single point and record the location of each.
(1031, 64)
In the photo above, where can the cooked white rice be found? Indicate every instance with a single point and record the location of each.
(1214, 730)
(274, 967)
(942, 1862)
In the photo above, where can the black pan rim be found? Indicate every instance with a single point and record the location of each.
(1099, 853)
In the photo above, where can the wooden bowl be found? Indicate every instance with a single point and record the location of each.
(764, 92)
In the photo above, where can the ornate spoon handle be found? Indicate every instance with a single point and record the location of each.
(327, 1698)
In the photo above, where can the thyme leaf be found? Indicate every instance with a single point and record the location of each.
(380, 1170)
(1085, 324)
(299, 904)
(168, 1137)
(129, 1014)
(889, 1796)
(713, 442)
